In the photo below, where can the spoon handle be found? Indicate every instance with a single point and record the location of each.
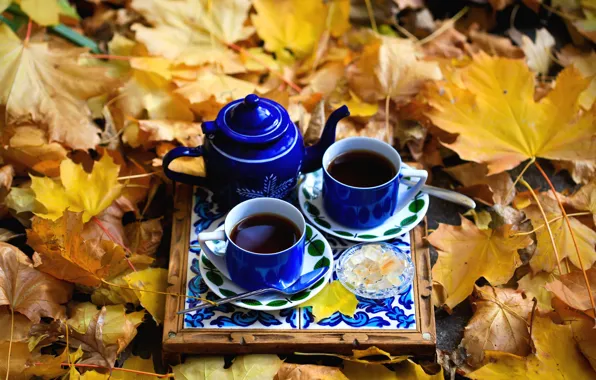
(446, 195)
(228, 299)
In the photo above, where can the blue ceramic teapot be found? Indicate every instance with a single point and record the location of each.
(253, 150)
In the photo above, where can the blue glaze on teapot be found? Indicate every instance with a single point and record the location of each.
(252, 149)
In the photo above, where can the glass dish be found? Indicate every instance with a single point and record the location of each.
(345, 270)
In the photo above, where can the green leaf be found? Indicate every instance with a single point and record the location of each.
(416, 205)
(367, 236)
(312, 209)
(300, 296)
(316, 248)
(215, 278)
(408, 220)
(227, 293)
(308, 232)
(277, 303)
(306, 193)
(343, 233)
(251, 302)
(322, 222)
(392, 231)
(207, 263)
(324, 262)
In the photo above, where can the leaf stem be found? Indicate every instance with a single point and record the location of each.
(158, 292)
(10, 341)
(535, 301)
(444, 27)
(550, 232)
(520, 175)
(371, 15)
(579, 257)
(28, 35)
(551, 221)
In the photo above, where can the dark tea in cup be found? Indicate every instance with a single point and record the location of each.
(265, 233)
(361, 168)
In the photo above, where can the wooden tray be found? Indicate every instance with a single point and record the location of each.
(411, 332)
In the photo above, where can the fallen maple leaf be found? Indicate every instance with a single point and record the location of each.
(534, 286)
(556, 357)
(144, 237)
(491, 106)
(493, 44)
(582, 171)
(48, 86)
(107, 333)
(292, 28)
(333, 298)
(27, 290)
(62, 252)
(500, 323)
(585, 199)
(571, 289)
(186, 133)
(150, 285)
(193, 32)
(79, 191)
(497, 188)
(248, 367)
(538, 52)
(51, 367)
(136, 363)
(467, 253)
(398, 68)
(17, 362)
(289, 371)
(544, 257)
(406, 370)
(208, 84)
(586, 64)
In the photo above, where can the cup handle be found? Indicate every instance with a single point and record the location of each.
(406, 197)
(183, 151)
(217, 258)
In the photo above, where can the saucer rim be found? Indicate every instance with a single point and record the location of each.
(327, 277)
(302, 199)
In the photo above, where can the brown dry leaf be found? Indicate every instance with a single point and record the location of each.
(308, 372)
(144, 237)
(22, 325)
(49, 87)
(390, 67)
(449, 44)
(27, 290)
(582, 171)
(51, 367)
(544, 257)
(6, 176)
(186, 133)
(109, 220)
(18, 360)
(500, 323)
(534, 286)
(467, 253)
(583, 329)
(29, 147)
(499, 5)
(556, 357)
(493, 44)
(62, 252)
(497, 188)
(585, 199)
(571, 289)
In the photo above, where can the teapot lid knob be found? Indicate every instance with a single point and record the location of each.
(252, 101)
(253, 120)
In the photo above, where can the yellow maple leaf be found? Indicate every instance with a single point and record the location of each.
(43, 12)
(333, 298)
(467, 253)
(247, 367)
(49, 87)
(211, 84)
(500, 124)
(556, 357)
(152, 280)
(296, 26)
(391, 67)
(79, 191)
(193, 32)
(359, 108)
(534, 286)
(136, 363)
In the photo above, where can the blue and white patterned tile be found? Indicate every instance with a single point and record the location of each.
(390, 313)
(207, 217)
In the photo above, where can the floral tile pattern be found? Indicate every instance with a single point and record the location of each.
(389, 313)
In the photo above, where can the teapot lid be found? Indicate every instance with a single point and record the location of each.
(253, 120)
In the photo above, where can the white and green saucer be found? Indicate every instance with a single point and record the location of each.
(317, 254)
(310, 199)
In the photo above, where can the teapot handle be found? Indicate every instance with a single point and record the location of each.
(183, 151)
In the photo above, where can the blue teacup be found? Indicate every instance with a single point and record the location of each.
(366, 207)
(252, 270)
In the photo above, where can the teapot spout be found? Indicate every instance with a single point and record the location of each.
(314, 154)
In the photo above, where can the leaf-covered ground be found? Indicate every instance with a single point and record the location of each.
(494, 97)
